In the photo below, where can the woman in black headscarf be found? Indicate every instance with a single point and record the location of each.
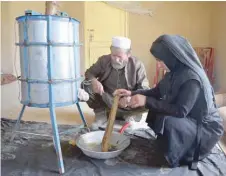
(182, 109)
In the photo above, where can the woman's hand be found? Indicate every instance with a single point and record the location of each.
(122, 93)
(137, 101)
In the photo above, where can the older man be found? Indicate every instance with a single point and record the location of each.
(116, 70)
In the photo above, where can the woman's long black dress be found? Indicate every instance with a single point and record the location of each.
(181, 102)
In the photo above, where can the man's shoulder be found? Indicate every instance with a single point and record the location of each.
(105, 58)
(135, 61)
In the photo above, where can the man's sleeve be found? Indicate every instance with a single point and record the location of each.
(94, 71)
(142, 81)
(154, 92)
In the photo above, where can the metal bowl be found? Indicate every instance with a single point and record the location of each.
(90, 144)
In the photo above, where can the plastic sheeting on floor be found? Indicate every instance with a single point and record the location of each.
(35, 156)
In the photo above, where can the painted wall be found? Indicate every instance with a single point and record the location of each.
(105, 21)
(190, 19)
(218, 41)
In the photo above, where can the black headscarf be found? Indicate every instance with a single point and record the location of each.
(177, 53)
(162, 52)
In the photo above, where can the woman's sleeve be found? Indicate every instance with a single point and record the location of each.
(186, 98)
(154, 92)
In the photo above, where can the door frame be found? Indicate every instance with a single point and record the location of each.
(88, 34)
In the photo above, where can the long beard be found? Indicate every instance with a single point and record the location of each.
(118, 65)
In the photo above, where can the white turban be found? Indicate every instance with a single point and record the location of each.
(121, 42)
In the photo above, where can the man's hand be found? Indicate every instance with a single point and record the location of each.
(124, 101)
(137, 101)
(97, 87)
(122, 93)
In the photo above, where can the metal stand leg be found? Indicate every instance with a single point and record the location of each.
(17, 123)
(56, 140)
(81, 114)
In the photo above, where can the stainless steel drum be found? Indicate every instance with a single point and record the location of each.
(50, 67)
(50, 60)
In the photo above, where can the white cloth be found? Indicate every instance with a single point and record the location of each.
(83, 95)
(121, 42)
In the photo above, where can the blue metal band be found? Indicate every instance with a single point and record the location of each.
(26, 61)
(49, 64)
(46, 105)
(52, 103)
(53, 81)
(46, 17)
(76, 90)
(76, 61)
(46, 44)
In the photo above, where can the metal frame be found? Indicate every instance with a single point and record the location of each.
(51, 105)
(56, 137)
(26, 62)
(44, 17)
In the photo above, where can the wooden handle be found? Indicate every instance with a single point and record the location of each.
(111, 121)
(51, 7)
